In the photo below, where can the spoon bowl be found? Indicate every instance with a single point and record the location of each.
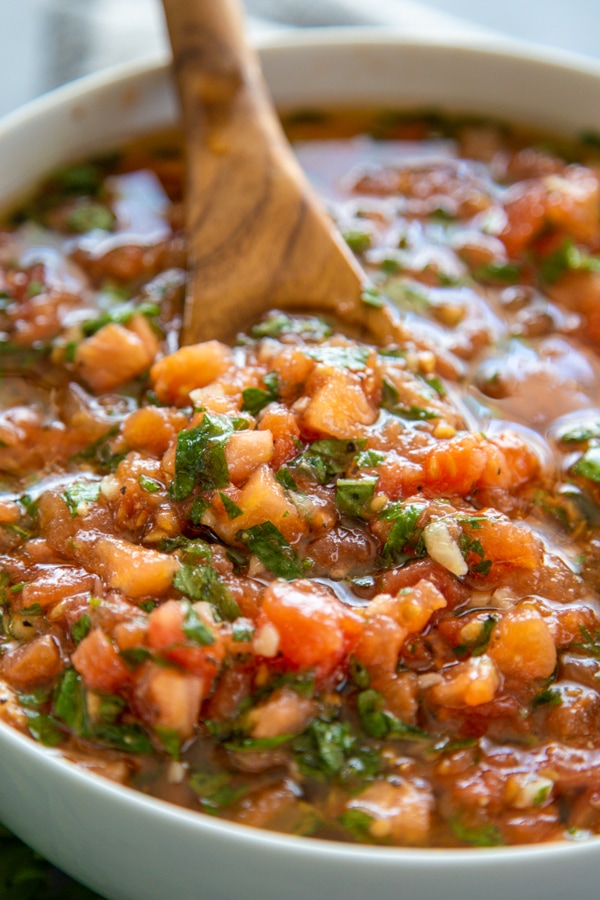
(258, 236)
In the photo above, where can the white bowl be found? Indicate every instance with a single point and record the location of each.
(121, 843)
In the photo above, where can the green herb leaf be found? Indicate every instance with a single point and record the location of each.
(372, 297)
(308, 327)
(149, 484)
(286, 479)
(69, 703)
(580, 433)
(329, 749)
(196, 630)
(357, 240)
(275, 553)
(242, 632)
(357, 822)
(170, 740)
(231, 508)
(405, 540)
(353, 495)
(351, 357)
(119, 315)
(368, 459)
(202, 582)
(80, 628)
(481, 836)
(45, 729)
(322, 460)
(215, 792)
(89, 217)
(548, 697)
(567, 258)
(380, 724)
(478, 645)
(588, 466)
(100, 453)
(200, 456)
(130, 738)
(79, 494)
(255, 399)
(507, 272)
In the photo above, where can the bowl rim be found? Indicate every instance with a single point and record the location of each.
(491, 46)
(124, 75)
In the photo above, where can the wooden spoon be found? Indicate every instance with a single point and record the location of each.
(258, 237)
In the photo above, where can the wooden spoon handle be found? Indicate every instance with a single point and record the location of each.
(257, 235)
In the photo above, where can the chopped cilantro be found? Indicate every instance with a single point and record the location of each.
(322, 460)
(128, 737)
(192, 550)
(200, 456)
(548, 697)
(89, 217)
(34, 610)
(215, 791)
(45, 729)
(201, 582)
(275, 553)
(357, 240)
(368, 459)
(378, 723)
(80, 628)
(405, 540)
(170, 740)
(588, 466)
(242, 632)
(469, 545)
(99, 452)
(372, 297)
(507, 272)
(390, 401)
(83, 178)
(590, 643)
(286, 479)
(119, 315)
(580, 433)
(149, 484)
(308, 327)
(255, 399)
(329, 748)
(479, 836)
(359, 673)
(478, 645)
(357, 822)
(69, 702)
(350, 357)
(79, 494)
(70, 707)
(231, 508)
(199, 507)
(196, 630)
(567, 258)
(353, 495)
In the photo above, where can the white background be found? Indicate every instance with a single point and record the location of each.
(47, 42)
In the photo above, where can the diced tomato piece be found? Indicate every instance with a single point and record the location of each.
(315, 629)
(165, 633)
(99, 664)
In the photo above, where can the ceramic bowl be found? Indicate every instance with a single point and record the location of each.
(130, 847)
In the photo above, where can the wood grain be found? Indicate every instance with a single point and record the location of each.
(258, 237)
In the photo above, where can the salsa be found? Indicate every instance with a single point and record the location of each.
(306, 583)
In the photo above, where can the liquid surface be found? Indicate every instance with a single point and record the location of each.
(304, 583)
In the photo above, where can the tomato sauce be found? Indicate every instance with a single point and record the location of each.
(305, 583)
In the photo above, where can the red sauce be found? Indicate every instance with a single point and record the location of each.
(305, 583)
